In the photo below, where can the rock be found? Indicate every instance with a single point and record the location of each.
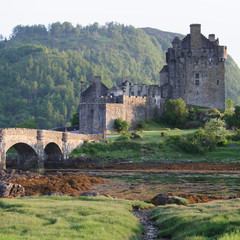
(162, 199)
(9, 190)
(233, 197)
(89, 194)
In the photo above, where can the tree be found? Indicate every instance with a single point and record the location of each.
(233, 118)
(75, 119)
(215, 130)
(176, 112)
(121, 125)
(29, 123)
(229, 103)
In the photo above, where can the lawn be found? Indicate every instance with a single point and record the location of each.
(207, 221)
(63, 217)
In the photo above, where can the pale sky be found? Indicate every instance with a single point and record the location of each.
(216, 16)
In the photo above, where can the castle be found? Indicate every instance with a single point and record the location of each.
(195, 71)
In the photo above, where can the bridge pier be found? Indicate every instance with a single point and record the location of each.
(40, 151)
(2, 150)
(65, 145)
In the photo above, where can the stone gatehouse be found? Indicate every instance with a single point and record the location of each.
(195, 71)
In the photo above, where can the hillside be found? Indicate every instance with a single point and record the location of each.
(41, 69)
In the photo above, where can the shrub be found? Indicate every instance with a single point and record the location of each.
(236, 136)
(124, 137)
(136, 135)
(121, 125)
(215, 130)
(140, 125)
(176, 112)
(233, 118)
(193, 142)
(214, 111)
(223, 143)
(163, 133)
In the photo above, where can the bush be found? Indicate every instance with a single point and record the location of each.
(193, 142)
(233, 118)
(121, 125)
(176, 112)
(236, 136)
(136, 135)
(124, 137)
(215, 130)
(223, 143)
(163, 133)
(140, 125)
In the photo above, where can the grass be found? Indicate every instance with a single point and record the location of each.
(213, 220)
(151, 148)
(63, 217)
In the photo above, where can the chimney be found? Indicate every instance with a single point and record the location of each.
(195, 35)
(211, 37)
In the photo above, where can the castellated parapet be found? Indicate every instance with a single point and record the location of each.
(195, 69)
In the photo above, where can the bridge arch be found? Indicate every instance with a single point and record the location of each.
(53, 155)
(26, 158)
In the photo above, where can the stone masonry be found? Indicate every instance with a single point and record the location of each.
(195, 71)
(37, 147)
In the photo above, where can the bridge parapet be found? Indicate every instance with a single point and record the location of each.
(42, 144)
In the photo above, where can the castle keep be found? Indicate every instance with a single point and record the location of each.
(195, 71)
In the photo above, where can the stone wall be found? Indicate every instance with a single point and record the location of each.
(132, 110)
(92, 118)
(35, 147)
(113, 111)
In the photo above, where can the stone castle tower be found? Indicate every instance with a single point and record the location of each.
(195, 70)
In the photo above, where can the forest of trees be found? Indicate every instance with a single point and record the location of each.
(41, 68)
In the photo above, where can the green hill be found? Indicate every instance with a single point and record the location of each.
(41, 69)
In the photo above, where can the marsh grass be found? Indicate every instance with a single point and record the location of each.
(63, 217)
(208, 221)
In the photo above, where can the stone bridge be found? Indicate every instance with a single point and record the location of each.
(39, 148)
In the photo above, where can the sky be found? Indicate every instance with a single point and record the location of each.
(219, 17)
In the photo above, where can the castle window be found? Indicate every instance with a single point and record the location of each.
(197, 76)
(197, 82)
(217, 82)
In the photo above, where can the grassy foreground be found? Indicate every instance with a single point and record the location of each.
(213, 220)
(63, 217)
